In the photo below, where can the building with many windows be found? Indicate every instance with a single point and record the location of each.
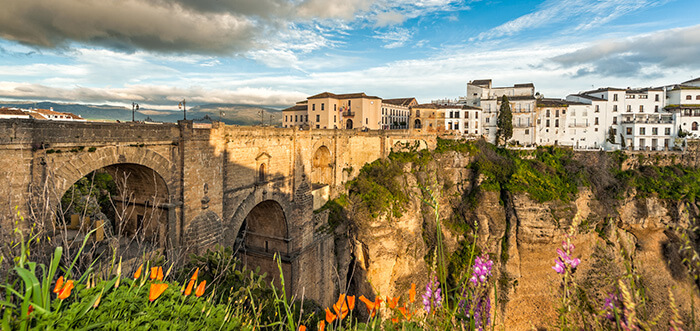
(349, 111)
(683, 100)
(448, 118)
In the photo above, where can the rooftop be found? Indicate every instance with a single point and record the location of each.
(444, 106)
(297, 108)
(400, 101)
(481, 82)
(12, 111)
(325, 95)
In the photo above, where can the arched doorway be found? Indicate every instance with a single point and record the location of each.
(348, 124)
(126, 203)
(322, 167)
(263, 234)
(417, 124)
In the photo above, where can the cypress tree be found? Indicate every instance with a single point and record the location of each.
(505, 122)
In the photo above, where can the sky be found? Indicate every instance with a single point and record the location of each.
(276, 52)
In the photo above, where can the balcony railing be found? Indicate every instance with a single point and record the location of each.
(348, 113)
(578, 125)
(650, 120)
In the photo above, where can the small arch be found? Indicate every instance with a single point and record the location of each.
(695, 126)
(348, 124)
(417, 124)
(262, 173)
(322, 167)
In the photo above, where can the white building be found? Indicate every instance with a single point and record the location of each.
(481, 94)
(396, 112)
(683, 100)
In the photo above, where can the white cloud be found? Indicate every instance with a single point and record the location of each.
(589, 13)
(394, 38)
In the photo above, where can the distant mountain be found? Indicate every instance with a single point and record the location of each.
(234, 114)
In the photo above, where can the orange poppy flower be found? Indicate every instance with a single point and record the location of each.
(59, 285)
(200, 288)
(341, 307)
(195, 274)
(188, 290)
(395, 319)
(392, 302)
(405, 312)
(330, 317)
(137, 274)
(351, 302)
(322, 326)
(302, 328)
(412, 293)
(156, 290)
(30, 309)
(372, 306)
(65, 291)
(157, 273)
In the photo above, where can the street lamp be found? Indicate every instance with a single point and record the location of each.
(183, 105)
(134, 108)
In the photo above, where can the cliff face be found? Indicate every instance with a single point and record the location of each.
(632, 235)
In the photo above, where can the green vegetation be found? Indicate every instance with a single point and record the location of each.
(504, 122)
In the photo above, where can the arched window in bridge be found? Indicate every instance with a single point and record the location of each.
(261, 173)
(695, 126)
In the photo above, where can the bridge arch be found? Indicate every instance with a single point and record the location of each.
(262, 233)
(143, 189)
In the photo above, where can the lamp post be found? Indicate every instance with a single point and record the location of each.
(183, 105)
(134, 108)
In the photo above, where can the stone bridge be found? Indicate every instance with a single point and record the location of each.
(191, 186)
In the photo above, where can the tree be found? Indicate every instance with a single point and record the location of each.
(504, 122)
(611, 136)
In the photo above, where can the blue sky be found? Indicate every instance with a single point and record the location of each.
(276, 52)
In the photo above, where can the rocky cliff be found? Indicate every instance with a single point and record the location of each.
(517, 207)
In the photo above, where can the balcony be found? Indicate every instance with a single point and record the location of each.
(578, 125)
(647, 119)
(522, 125)
(348, 113)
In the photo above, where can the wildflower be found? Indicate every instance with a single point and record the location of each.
(405, 312)
(194, 275)
(188, 290)
(476, 302)
(322, 326)
(157, 273)
(565, 262)
(330, 317)
(392, 302)
(341, 307)
(156, 290)
(432, 297)
(412, 293)
(30, 310)
(372, 306)
(137, 274)
(302, 328)
(395, 319)
(200, 289)
(59, 285)
(65, 291)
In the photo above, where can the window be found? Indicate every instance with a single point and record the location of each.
(261, 173)
(548, 113)
(313, 106)
(597, 108)
(656, 108)
(547, 123)
(556, 123)
(667, 131)
(654, 131)
(556, 113)
(615, 120)
(629, 131)
(641, 108)
(629, 108)
(307, 118)
(689, 97)
(366, 120)
(334, 118)
(656, 97)
(476, 115)
(695, 126)
(642, 131)
(614, 97)
(285, 118)
(487, 119)
(614, 107)
(614, 131)
(527, 131)
(596, 121)
(334, 107)
(323, 106)
(457, 126)
(318, 118)
(349, 104)
(697, 97)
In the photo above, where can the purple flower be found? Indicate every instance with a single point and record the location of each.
(432, 297)
(475, 302)
(564, 261)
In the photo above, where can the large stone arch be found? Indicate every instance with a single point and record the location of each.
(261, 230)
(144, 184)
